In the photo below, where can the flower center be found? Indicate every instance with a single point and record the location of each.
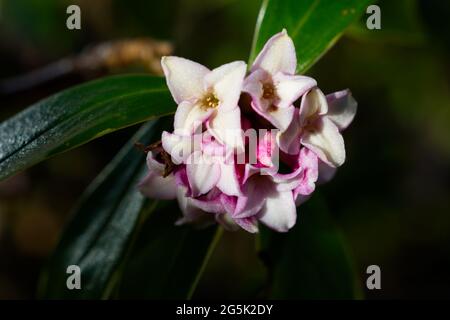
(209, 101)
(272, 108)
(268, 91)
(311, 123)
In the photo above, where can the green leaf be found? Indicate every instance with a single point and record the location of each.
(168, 260)
(401, 25)
(99, 235)
(314, 25)
(311, 261)
(78, 115)
(116, 232)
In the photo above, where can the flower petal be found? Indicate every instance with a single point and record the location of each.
(290, 88)
(326, 142)
(326, 173)
(182, 181)
(253, 84)
(249, 170)
(184, 78)
(289, 140)
(249, 224)
(226, 128)
(228, 203)
(253, 196)
(228, 182)
(158, 187)
(266, 150)
(279, 212)
(290, 181)
(180, 147)
(341, 108)
(213, 148)
(278, 55)
(226, 82)
(309, 163)
(314, 104)
(300, 199)
(211, 202)
(281, 118)
(189, 117)
(190, 212)
(203, 173)
(153, 164)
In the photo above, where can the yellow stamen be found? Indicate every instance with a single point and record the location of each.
(268, 91)
(209, 101)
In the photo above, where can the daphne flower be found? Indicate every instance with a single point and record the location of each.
(212, 167)
(318, 124)
(218, 176)
(213, 205)
(272, 83)
(271, 198)
(269, 205)
(208, 162)
(159, 183)
(204, 95)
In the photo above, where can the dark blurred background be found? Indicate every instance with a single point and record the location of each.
(390, 199)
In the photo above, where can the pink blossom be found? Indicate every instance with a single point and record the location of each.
(318, 123)
(272, 83)
(204, 95)
(219, 173)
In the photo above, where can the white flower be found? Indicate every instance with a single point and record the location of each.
(318, 124)
(272, 83)
(206, 96)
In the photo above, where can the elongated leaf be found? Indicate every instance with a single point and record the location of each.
(168, 259)
(314, 25)
(98, 236)
(311, 261)
(78, 115)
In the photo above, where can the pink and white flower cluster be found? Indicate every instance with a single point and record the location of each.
(247, 148)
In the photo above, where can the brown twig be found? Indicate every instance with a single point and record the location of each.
(161, 154)
(104, 57)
